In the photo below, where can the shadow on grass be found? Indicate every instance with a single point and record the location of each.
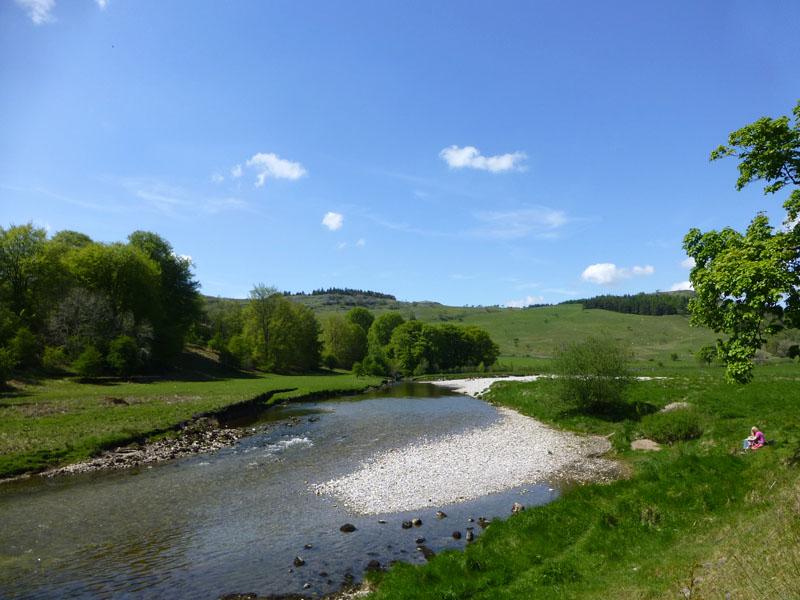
(614, 412)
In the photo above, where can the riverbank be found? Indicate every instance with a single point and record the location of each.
(513, 452)
(54, 423)
(681, 526)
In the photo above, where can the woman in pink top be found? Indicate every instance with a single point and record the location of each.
(756, 439)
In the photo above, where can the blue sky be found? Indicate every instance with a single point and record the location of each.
(462, 152)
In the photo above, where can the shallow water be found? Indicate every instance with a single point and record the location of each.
(234, 520)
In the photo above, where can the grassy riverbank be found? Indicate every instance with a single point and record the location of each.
(46, 422)
(695, 516)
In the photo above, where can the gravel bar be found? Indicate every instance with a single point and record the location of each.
(512, 452)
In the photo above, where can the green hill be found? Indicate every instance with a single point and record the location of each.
(535, 332)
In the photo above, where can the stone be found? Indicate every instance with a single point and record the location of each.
(456, 535)
(382, 521)
(420, 540)
(407, 525)
(298, 562)
(440, 515)
(416, 522)
(517, 508)
(470, 536)
(308, 546)
(646, 445)
(675, 406)
(347, 528)
(373, 566)
(426, 552)
(306, 586)
(483, 522)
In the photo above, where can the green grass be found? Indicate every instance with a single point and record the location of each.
(48, 422)
(697, 502)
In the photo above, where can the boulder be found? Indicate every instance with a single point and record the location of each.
(517, 508)
(440, 515)
(675, 406)
(646, 445)
(347, 528)
(298, 562)
(416, 522)
(470, 536)
(456, 535)
(373, 566)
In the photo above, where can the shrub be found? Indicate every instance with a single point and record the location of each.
(330, 361)
(123, 355)
(673, 426)
(7, 364)
(592, 375)
(25, 347)
(89, 363)
(54, 358)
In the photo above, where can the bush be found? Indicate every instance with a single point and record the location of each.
(89, 363)
(330, 361)
(123, 355)
(673, 426)
(592, 375)
(25, 347)
(54, 358)
(7, 364)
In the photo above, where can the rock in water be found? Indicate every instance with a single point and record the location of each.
(470, 536)
(440, 515)
(298, 562)
(373, 566)
(347, 528)
(417, 522)
(517, 508)
(407, 525)
(456, 535)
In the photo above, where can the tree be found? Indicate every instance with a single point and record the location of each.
(748, 285)
(360, 316)
(22, 267)
(344, 340)
(706, 354)
(123, 355)
(592, 375)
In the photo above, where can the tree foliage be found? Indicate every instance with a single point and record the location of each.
(641, 304)
(748, 285)
(69, 291)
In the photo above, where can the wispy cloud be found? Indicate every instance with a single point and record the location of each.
(688, 263)
(102, 3)
(40, 11)
(470, 157)
(527, 301)
(174, 201)
(271, 165)
(539, 221)
(333, 221)
(361, 242)
(236, 171)
(610, 274)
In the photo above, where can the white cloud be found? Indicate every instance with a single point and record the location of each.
(217, 178)
(332, 221)
(526, 302)
(681, 285)
(470, 157)
(541, 221)
(271, 165)
(361, 242)
(341, 245)
(39, 10)
(688, 263)
(236, 171)
(102, 3)
(609, 273)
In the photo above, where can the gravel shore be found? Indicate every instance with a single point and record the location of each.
(512, 452)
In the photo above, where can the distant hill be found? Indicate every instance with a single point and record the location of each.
(532, 332)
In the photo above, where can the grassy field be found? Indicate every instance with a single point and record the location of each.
(535, 332)
(48, 422)
(697, 519)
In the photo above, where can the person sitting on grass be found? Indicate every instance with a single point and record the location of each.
(755, 441)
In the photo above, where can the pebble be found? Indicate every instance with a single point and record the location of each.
(459, 467)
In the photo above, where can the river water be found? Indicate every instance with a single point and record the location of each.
(234, 520)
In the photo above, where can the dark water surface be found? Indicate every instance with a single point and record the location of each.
(234, 520)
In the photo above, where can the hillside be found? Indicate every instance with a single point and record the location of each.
(534, 332)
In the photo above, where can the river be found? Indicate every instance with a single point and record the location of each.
(234, 520)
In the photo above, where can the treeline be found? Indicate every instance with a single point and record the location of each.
(273, 333)
(350, 292)
(68, 301)
(657, 304)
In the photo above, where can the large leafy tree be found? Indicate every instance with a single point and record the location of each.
(748, 284)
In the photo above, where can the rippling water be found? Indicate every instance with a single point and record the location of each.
(234, 520)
